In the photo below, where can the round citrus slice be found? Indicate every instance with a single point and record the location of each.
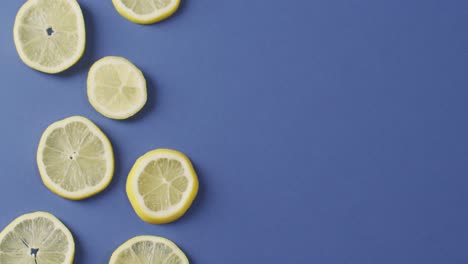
(75, 158)
(36, 238)
(116, 88)
(50, 34)
(146, 11)
(148, 249)
(161, 186)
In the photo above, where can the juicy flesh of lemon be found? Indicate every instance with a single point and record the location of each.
(34, 241)
(162, 184)
(117, 88)
(146, 7)
(74, 157)
(49, 33)
(148, 252)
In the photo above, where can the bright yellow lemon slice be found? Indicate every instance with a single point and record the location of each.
(116, 88)
(50, 34)
(162, 185)
(146, 11)
(148, 250)
(36, 238)
(75, 158)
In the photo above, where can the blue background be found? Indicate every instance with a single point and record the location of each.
(324, 131)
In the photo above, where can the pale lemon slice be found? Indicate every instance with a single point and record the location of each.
(146, 11)
(36, 238)
(75, 158)
(148, 250)
(116, 88)
(50, 34)
(162, 185)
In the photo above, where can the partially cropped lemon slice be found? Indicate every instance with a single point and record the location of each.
(162, 185)
(50, 34)
(148, 250)
(116, 88)
(75, 158)
(36, 238)
(146, 11)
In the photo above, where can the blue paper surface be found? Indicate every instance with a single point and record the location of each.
(323, 131)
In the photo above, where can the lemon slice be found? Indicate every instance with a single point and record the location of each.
(50, 34)
(146, 11)
(75, 158)
(36, 238)
(161, 186)
(148, 250)
(116, 88)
